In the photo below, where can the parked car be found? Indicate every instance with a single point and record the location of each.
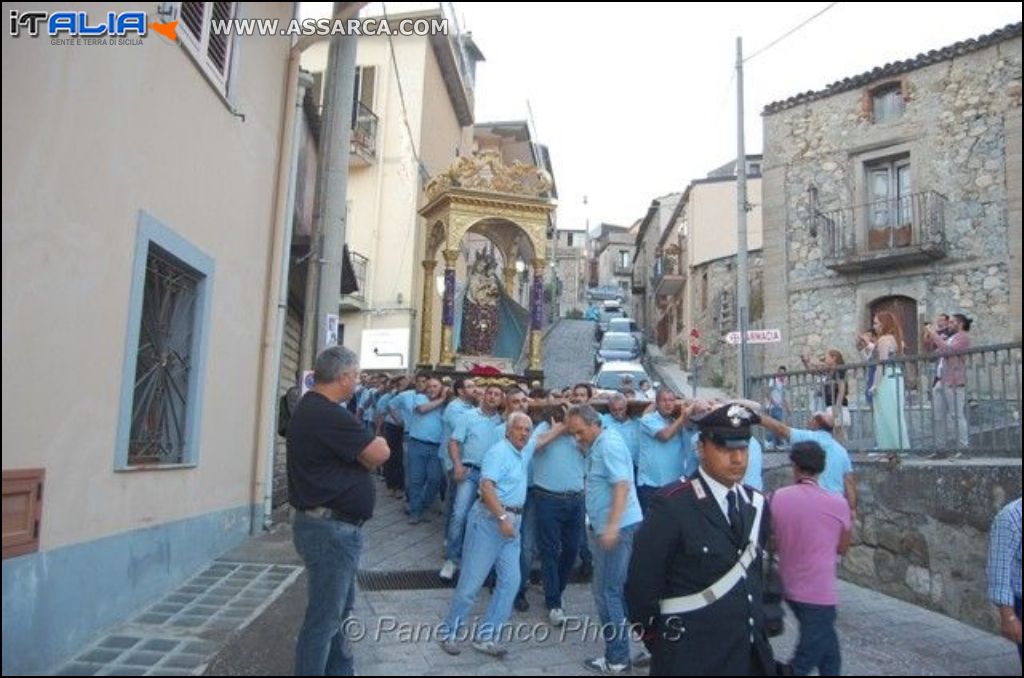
(609, 377)
(616, 346)
(602, 323)
(603, 292)
(629, 326)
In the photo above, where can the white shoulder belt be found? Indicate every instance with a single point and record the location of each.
(696, 601)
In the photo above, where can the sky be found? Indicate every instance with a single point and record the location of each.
(636, 100)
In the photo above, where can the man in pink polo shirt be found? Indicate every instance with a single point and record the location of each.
(811, 526)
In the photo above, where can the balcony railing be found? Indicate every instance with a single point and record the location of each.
(364, 134)
(916, 414)
(620, 269)
(356, 300)
(666, 281)
(884, 233)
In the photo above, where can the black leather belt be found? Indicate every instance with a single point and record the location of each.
(326, 513)
(558, 495)
(424, 442)
(513, 509)
(467, 465)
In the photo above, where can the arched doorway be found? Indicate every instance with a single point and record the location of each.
(905, 310)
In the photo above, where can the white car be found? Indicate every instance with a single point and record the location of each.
(609, 377)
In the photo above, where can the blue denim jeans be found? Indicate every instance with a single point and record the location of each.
(465, 497)
(610, 568)
(485, 548)
(425, 472)
(818, 647)
(559, 531)
(527, 541)
(330, 549)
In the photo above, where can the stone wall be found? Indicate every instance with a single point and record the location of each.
(718, 365)
(922, 532)
(960, 129)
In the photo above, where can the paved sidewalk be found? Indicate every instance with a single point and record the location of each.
(879, 635)
(670, 373)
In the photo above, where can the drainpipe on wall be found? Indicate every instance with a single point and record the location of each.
(275, 311)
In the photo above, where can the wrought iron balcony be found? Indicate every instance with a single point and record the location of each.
(885, 233)
(666, 281)
(353, 299)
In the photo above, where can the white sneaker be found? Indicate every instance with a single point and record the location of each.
(447, 571)
(600, 665)
(489, 647)
(556, 616)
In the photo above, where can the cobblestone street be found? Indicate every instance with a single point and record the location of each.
(569, 353)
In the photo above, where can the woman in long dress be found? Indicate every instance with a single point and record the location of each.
(888, 391)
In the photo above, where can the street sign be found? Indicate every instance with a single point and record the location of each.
(755, 337)
(384, 349)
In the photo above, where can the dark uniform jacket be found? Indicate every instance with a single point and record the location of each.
(684, 545)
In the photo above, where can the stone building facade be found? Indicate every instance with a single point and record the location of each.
(897, 189)
(713, 313)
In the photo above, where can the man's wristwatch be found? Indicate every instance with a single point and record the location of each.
(503, 517)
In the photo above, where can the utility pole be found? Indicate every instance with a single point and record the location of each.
(742, 282)
(323, 285)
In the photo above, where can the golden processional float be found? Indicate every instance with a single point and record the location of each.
(485, 331)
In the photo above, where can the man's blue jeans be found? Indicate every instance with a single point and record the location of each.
(330, 550)
(559, 531)
(425, 472)
(527, 541)
(818, 647)
(610, 568)
(776, 412)
(486, 547)
(465, 497)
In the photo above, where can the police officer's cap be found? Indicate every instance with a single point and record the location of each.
(728, 425)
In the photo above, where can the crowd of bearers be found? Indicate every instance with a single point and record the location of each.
(657, 493)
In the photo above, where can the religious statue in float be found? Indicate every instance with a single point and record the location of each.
(480, 308)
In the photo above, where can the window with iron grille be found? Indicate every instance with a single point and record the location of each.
(202, 34)
(163, 362)
(168, 324)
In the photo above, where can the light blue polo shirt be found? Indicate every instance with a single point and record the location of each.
(660, 463)
(531, 443)
(366, 401)
(425, 426)
(505, 466)
(453, 412)
(609, 463)
(629, 430)
(559, 467)
(402, 405)
(755, 464)
(382, 407)
(476, 433)
(837, 459)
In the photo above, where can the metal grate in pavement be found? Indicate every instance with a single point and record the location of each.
(401, 580)
(415, 580)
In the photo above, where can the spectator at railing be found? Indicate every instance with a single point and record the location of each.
(834, 388)
(888, 391)
(866, 346)
(950, 394)
(777, 404)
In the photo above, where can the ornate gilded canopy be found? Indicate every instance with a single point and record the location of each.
(484, 195)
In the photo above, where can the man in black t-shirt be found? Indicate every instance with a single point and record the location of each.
(330, 456)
